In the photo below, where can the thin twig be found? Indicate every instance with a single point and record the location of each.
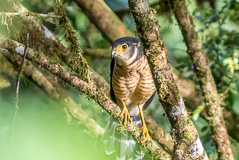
(227, 90)
(18, 81)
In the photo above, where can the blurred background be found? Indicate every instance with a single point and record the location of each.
(42, 128)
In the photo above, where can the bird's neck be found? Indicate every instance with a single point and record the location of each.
(134, 66)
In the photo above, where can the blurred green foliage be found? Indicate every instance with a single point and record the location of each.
(41, 130)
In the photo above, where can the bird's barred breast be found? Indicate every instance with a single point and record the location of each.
(124, 85)
(135, 85)
(146, 86)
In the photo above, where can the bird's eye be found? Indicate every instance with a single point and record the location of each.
(124, 46)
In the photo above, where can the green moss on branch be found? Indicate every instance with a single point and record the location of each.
(75, 58)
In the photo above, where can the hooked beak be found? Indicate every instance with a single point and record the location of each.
(116, 52)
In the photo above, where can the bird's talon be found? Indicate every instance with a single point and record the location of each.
(125, 113)
(146, 134)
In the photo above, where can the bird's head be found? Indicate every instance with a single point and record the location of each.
(126, 50)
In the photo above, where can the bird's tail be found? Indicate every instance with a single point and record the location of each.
(122, 142)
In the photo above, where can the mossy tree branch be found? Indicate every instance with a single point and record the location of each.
(188, 145)
(76, 61)
(24, 14)
(88, 88)
(202, 69)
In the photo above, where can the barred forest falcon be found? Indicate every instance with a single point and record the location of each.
(132, 88)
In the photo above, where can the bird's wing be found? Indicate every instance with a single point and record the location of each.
(148, 102)
(112, 94)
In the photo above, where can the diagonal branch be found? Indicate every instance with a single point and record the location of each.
(88, 88)
(24, 14)
(58, 93)
(104, 19)
(188, 142)
(205, 78)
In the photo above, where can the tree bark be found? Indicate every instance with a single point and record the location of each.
(202, 69)
(187, 139)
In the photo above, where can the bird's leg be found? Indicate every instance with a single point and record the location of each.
(125, 113)
(144, 128)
